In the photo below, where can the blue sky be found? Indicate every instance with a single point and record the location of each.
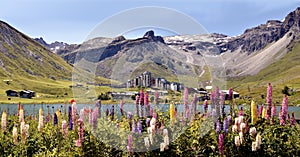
(72, 20)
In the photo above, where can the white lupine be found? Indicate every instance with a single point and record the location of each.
(258, 141)
(162, 147)
(242, 126)
(241, 137)
(254, 146)
(151, 138)
(15, 135)
(147, 143)
(234, 128)
(41, 120)
(21, 115)
(252, 131)
(3, 121)
(240, 119)
(237, 141)
(236, 121)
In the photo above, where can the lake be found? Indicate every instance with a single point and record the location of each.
(34, 108)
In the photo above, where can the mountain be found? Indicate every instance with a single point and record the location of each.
(57, 47)
(27, 64)
(231, 57)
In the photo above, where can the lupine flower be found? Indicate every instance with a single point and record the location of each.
(146, 98)
(242, 127)
(142, 97)
(80, 133)
(205, 105)
(230, 94)
(112, 112)
(225, 125)
(254, 146)
(293, 120)
(139, 127)
(41, 120)
(241, 113)
(15, 134)
(55, 120)
(122, 107)
(21, 114)
(241, 134)
(218, 127)
(129, 115)
(147, 143)
(74, 112)
(284, 109)
(221, 144)
(263, 114)
(234, 128)
(151, 111)
(24, 131)
(64, 128)
(185, 101)
(129, 144)
(194, 104)
(70, 118)
(148, 122)
(214, 115)
(258, 141)
(3, 121)
(134, 127)
(152, 124)
(252, 131)
(237, 141)
(172, 112)
(269, 101)
(253, 112)
(240, 119)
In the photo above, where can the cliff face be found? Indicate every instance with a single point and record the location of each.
(257, 38)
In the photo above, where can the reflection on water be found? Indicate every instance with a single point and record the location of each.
(34, 108)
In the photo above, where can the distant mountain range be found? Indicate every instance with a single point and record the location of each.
(173, 57)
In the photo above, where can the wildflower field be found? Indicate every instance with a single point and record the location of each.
(257, 131)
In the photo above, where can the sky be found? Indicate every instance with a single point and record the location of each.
(72, 21)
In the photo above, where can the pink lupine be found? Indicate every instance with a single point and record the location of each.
(230, 94)
(241, 113)
(284, 110)
(273, 112)
(186, 99)
(80, 133)
(64, 128)
(221, 144)
(269, 101)
(156, 97)
(293, 120)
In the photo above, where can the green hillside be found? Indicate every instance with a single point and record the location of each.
(284, 72)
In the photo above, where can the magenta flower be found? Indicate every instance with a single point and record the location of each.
(142, 97)
(129, 144)
(186, 100)
(241, 113)
(273, 111)
(269, 100)
(230, 94)
(284, 110)
(221, 144)
(80, 133)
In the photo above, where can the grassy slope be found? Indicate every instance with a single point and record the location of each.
(281, 73)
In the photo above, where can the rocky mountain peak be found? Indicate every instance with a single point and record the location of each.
(150, 35)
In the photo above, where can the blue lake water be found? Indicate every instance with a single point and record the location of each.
(34, 108)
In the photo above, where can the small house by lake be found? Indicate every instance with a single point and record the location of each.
(27, 94)
(12, 93)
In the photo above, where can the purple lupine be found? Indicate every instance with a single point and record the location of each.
(156, 97)
(230, 94)
(122, 107)
(221, 144)
(134, 127)
(129, 144)
(205, 105)
(293, 120)
(229, 118)
(139, 127)
(146, 102)
(241, 112)
(137, 102)
(269, 101)
(112, 112)
(129, 115)
(225, 125)
(148, 122)
(55, 120)
(185, 101)
(284, 109)
(80, 133)
(70, 118)
(218, 127)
